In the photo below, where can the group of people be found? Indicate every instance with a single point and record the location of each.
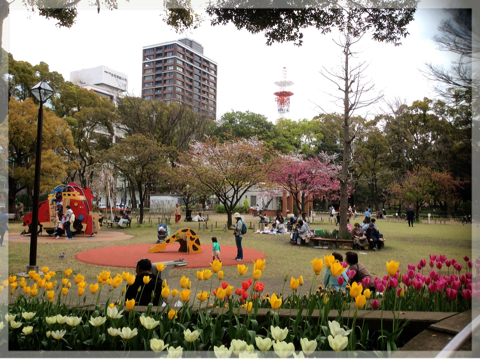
(367, 235)
(63, 223)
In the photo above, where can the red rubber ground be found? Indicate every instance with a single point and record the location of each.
(127, 256)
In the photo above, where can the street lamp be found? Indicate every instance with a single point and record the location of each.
(42, 92)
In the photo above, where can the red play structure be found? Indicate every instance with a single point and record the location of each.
(78, 198)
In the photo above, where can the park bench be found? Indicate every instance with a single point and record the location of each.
(335, 242)
(170, 264)
(111, 223)
(11, 217)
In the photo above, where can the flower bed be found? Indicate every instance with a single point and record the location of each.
(40, 318)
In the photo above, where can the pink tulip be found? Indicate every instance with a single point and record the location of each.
(393, 283)
(344, 264)
(419, 276)
(433, 257)
(477, 260)
(469, 286)
(456, 285)
(417, 284)
(340, 280)
(386, 277)
(467, 294)
(469, 276)
(466, 258)
(441, 284)
(366, 282)
(351, 273)
(454, 276)
(397, 275)
(374, 304)
(477, 265)
(451, 293)
(380, 287)
(454, 261)
(411, 273)
(463, 279)
(411, 267)
(432, 287)
(428, 280)
(405, 278)
(434, 275)
(439, 265)
(432, 264)
(469, 264)
(459, 267)
(443, 258)
(448, 263)
(423, 263)
(419, 267)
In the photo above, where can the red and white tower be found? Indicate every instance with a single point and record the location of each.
(283, 96)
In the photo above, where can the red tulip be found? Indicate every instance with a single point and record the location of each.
(344, 264)
(466, 258)
(463, 279)
(433, 287)
(411, 273)
(459, 267)
(423, 262)
(419, 266)
(245, 285)
(239, 291)
(448, 263)
(393, 283)
(259, 287)
(469, 264)
(366, 282)
(469, 276)
(224, 285)
(419, 276)
(417, 284)
(405, 279)
(433, 257)
(432, 264)
(340, 280)
(439, 265)
(374, 304)
(467, 294)
(428, 280)
(441, 284)
(456, 285)
(397, 275)
(454, 261)
(443, 258)
(380, 287)
(469, 286)
(451, 293)
(255, 297)
(434, 275)
(245, 295)
(411, 267)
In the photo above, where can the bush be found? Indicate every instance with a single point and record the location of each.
(245, 203)
(240, 209)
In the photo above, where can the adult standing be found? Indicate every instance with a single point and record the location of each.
(3, 225)
(178, 213)
(367, 216)
(67, 223)
(410, 216)
(258, 209)
(238, 236)
(360, 271)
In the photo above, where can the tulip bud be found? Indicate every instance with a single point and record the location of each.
(401, 292)
(286, 277)
(374, 304)
(340, 280)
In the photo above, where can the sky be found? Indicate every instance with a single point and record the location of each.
(247, 67)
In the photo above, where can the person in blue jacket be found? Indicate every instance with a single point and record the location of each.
(330, 281)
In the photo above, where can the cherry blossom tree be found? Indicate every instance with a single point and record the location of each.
(305, 180)
(229, 169)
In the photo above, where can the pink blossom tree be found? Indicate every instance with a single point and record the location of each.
(306, 179)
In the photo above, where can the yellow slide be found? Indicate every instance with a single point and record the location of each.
(188, 239)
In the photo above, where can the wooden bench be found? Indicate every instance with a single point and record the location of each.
(110, 223)
(11, 217)
(335, 242)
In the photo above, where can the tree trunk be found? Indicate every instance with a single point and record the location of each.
(229, 216)
(132, 195)
(141, 201)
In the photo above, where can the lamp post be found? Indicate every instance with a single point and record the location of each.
(42, 92)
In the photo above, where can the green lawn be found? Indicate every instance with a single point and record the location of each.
(405, 245)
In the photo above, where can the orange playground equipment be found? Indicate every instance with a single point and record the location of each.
(188, 239)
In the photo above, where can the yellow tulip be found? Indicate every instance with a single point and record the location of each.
(337, 269)
(355, 289)
(33, 292)
(47, 277)
(360, 301)
(160, 266)
(325, 300)
(183, 282)
(30, 274)
(165, 292)
(185, 295)
(221, 293)
(189, 285)
(67, 272)
(81, 291)
(52, 274)
(109, 281)
(216, 266)
(78, 278)
(229, 290)
(367, 293)
(50, 294)
(220, 275)
(64, 282)
(99, 279)
(146, 279)
(329, 260)
(300, 280)
(64, 291)
(14, 285)
(69, 285)
(131, 279)
(207, 273)
(41, 283)
(248, 306)
(45, 270)
(317, 265)
(5, 283)
(257, 274)
(200, 275)
(392, 268)
(242, 269)
(172, 314)
(259, 264)
(275, 302)
(294, 283)
(117, 281)
(26, 290)
(93, 288)
(23, 284)
(105, 275)
(36, 277)
(402, 293)
(202, 296)
(125, 275)
(174, 293)
(82, 285)
(130, 304)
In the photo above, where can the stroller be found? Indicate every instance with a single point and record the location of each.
(188, 216)
(162, 233)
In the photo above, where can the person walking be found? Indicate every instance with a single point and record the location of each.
(178, 213)
(67, 223)
(238, 236)
(410, 216)
(367, 216)
(216, 249)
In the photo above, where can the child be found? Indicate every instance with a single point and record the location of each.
(216, 249)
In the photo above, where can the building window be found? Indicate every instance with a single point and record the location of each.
(169, 47)
(148, 97)
(196, 77)
(196, 84)
(213, 66)
(168, 81)
(188, 86)
(212, 77)
(178, 89)
(189, 66)
(168, 67)
(198, 64)
(148, 64)
(168, 102)
(197, 71)
(179, 62)
(169, 94)
(196, 97)
(158, 63)
(148, 91)
(170, 53)
(148, 84)
(169, 88)
(211, 96)
(211, 102)
(168, 74)
(149, 51)
(188, 79)
(148, 58)
(179, 96)
(146, 78)
(180, 55)
(169, 61)
(179, 69)
(149, 71)
(212, 72)
(179, 76)
(179, 83)
(211, 108)
(189, 73)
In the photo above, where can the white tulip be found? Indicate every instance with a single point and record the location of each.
(191, 336)
(51, 320)
(337, 330)
(338, 343)
(247, 355)
(299, 356)
(238, 346)
(157, 345)
(58, 334)
(27, 330)
(60, 319)
(9, 317)
(148, 322)
(113, 332)
(98, 321)
(283, 349)
(222, 352)
(263, 344)
(73, 321)
(113, 313)
(250, 348)
(1, 325)
(175, 352)
(278, 334)
(308, 346)
(15, 324)
(128, 333)
(27, 315)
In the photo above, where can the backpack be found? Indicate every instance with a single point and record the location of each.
(72, 218)
(244, 228)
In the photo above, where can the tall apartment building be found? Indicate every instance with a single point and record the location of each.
(177, 71)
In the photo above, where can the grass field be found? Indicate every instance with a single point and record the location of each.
(403, 244)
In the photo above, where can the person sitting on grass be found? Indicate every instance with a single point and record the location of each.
(303, 232)
(331, 282)
(360, 271)
(359, 239)
(198, 218)
(372, 236)
(141, 292)
(281, 227)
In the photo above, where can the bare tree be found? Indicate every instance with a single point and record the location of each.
(354, 93)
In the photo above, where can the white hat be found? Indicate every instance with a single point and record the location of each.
(237, 215)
